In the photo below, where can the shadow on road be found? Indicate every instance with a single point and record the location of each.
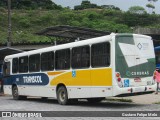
(84, 103)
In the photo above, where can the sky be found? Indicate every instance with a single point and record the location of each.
(122, 4)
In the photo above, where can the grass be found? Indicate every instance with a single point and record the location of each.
(157, 103)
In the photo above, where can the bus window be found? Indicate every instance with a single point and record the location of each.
(23, 64)
(100, 55)
(47, 61)
(15, 65)
(81, 57)
(34, 63)
(6, 69)
(62, 59)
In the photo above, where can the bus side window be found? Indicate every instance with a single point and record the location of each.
(62, 59)
(100, 55)
(81, 57)
(23, 64)
(34, 63)
(15, 65)
(47, 61)
(6, 69)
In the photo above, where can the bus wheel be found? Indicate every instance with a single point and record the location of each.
(62, 95)
(16, 95)
(95, 100)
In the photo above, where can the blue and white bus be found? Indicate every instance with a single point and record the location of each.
(157, 54)
(112, 65)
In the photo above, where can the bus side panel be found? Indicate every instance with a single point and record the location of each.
(101, 82)
(47, 91)
(77, 82)
(7, 90)
(73, 78)
(30, 90)
(101, 77)
(94, 83)
(7, 85)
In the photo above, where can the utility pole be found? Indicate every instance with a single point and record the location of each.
(9, 39)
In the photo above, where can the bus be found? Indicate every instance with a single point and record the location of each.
(92, 69)
(157, 54)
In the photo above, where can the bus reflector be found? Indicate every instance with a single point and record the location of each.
(129, 90)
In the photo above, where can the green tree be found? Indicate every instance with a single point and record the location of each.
(110, 7)
(137, 10)
(85, 5)
(151, 5)
(30, 4)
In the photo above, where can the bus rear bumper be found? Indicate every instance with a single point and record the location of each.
(130, 91)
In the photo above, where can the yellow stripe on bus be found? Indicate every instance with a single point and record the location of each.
(94, 77)
(54, 73)
(101, 77)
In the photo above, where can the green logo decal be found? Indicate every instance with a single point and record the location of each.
(128, 73)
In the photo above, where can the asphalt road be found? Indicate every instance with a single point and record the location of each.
(37, 104)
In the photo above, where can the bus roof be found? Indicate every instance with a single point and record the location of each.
(72, 44)
(63, 46)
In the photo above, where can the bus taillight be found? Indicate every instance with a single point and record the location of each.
(119, 80)
(117, 74)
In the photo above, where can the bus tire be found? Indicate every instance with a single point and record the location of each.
(62, 95)
(95, 100)
(16, 95)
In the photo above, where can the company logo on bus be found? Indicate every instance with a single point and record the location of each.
(128, 73)
(139, 46)
(32, 79)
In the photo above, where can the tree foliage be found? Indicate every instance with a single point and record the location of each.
(151, 5)
(87, 4)
(110, 7)
(26, 22)
(30, 4)
(137, 10)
